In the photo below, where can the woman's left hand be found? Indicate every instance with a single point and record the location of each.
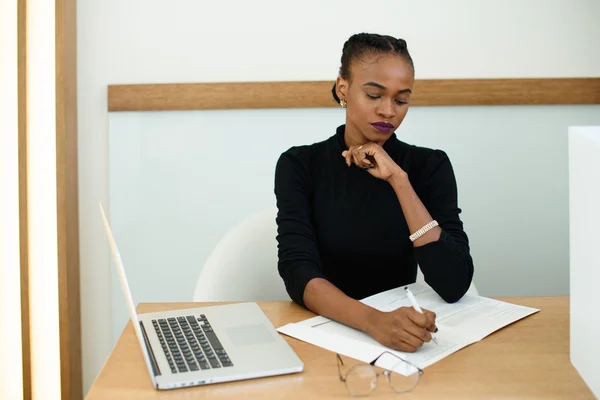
(374, 159)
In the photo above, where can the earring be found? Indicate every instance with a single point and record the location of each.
(343, 103)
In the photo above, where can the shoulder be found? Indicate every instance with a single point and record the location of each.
(301, 158)
(423, 157)
(424, 164)
(294, 169)
(296, 154)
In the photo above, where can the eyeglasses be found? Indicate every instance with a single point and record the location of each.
(361, 379)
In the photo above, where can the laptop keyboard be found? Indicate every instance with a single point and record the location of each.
(190, 344)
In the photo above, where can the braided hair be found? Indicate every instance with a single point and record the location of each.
(362, 44)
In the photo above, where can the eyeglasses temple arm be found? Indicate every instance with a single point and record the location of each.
(340, 362)
(392, 354)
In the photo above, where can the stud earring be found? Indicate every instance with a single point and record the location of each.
(343, 103)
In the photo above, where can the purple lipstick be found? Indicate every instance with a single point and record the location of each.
(383, 127)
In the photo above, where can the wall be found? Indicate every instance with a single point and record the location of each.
(150, 41)
(180, 180)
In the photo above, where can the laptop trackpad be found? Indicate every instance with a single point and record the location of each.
(246, 335)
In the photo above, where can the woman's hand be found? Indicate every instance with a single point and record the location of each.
(403, 329)
(374, 159)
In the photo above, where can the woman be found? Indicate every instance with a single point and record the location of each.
(359, 210)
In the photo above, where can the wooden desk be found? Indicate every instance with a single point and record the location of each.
(528, 359)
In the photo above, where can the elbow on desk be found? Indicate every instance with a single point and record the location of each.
(451, 296)
(454, 289)
(455, 293)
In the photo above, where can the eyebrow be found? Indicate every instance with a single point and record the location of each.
(377, 85)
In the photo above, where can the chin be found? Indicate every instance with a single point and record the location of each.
(376, 136)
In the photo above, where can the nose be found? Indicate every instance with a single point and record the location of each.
(386, 110)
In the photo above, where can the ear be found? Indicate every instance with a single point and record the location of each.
(341, 87)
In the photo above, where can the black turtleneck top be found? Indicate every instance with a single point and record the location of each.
(344, 225)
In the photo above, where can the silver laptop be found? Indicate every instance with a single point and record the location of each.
(199, 346)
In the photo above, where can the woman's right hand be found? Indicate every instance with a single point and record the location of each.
(403, 329)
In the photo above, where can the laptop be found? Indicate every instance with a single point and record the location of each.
(205, 345)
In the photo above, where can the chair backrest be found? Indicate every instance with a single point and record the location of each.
(243, 265)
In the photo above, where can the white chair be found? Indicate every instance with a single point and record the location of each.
(243, 265)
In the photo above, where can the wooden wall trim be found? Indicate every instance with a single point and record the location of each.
(23, 219)
(316, 94)
(67, 201)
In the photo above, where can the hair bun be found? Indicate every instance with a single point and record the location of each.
(401, 43)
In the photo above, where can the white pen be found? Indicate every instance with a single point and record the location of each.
(415, 305)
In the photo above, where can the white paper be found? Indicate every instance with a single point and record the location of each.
(460, 324)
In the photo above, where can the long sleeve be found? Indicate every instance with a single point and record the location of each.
(446, 264)
(297, 244)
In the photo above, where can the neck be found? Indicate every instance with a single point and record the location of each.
(352, 136)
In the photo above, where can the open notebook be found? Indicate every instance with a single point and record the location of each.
(460, 324)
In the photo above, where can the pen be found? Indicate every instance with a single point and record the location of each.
(415, 305)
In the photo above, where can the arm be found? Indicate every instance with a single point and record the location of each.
(414, 211)
(299, 266)
(323, 298)
(299, 263)
(443, 252)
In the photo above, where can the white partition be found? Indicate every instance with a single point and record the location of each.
(584, 214)
(180, 180)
